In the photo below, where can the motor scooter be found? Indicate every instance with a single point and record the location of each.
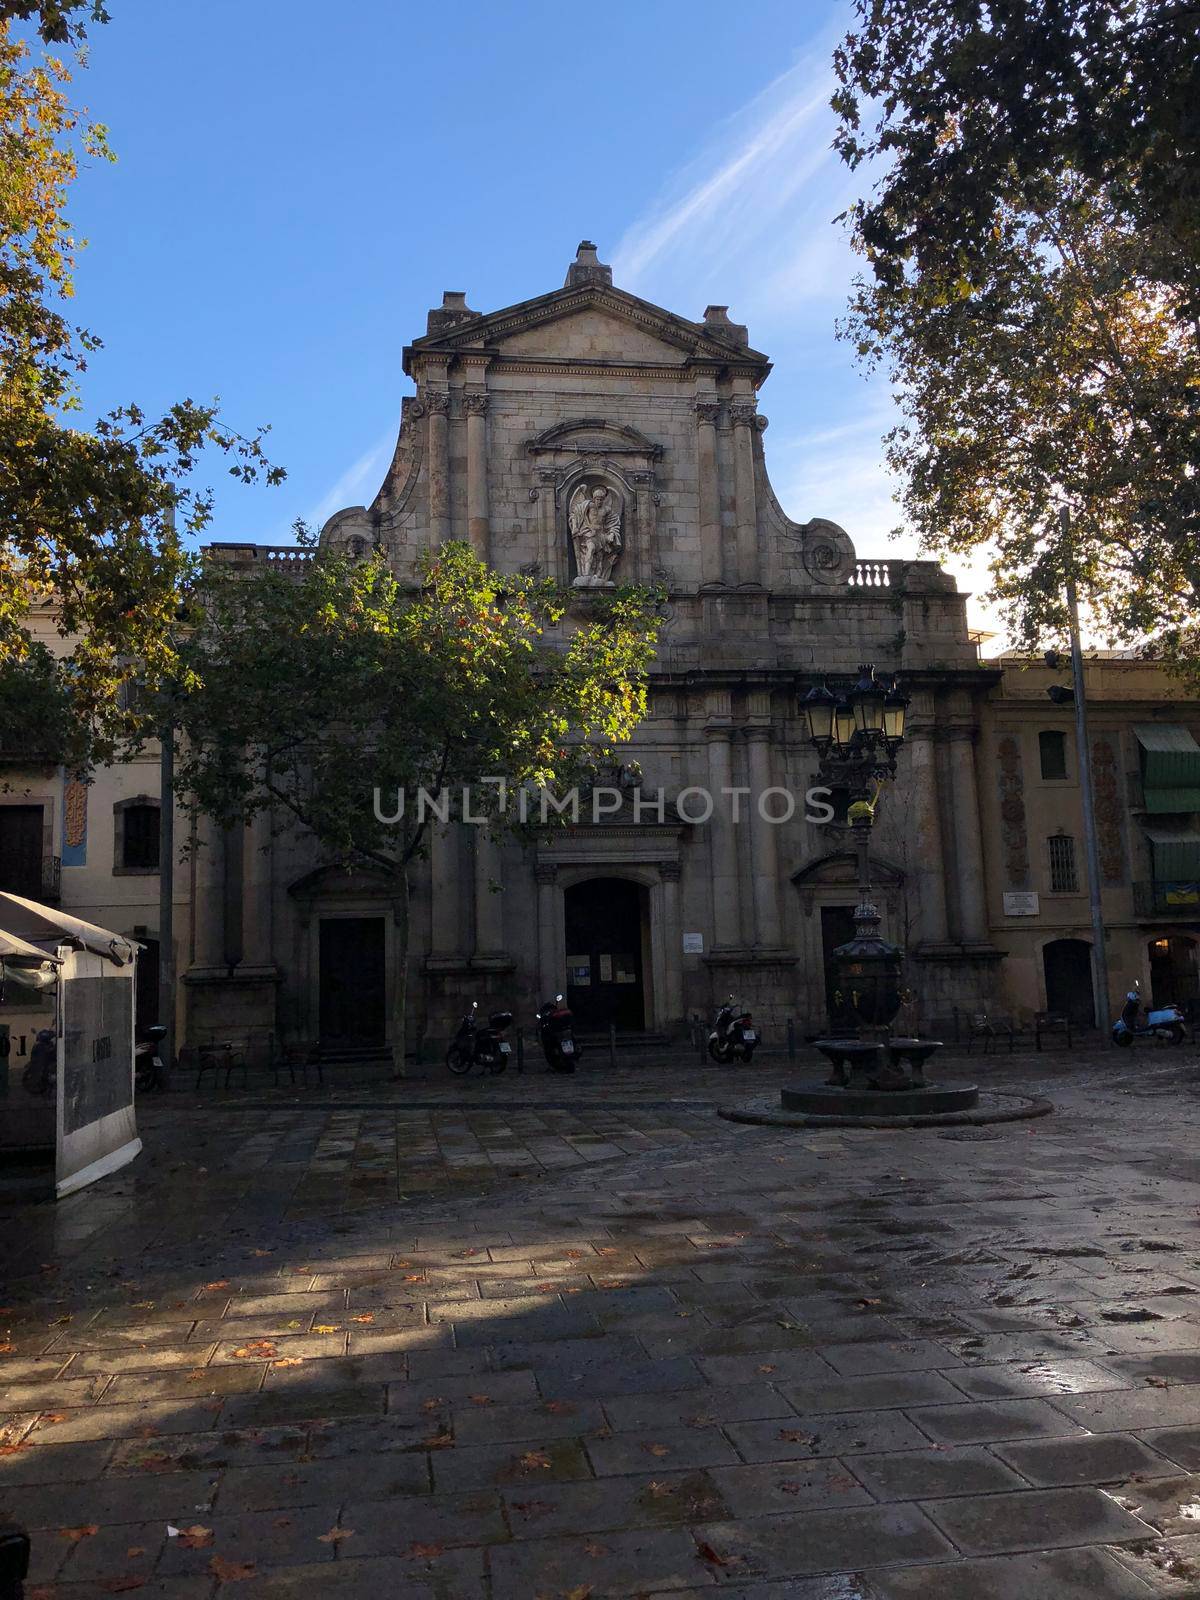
(1160, 1022)
(148, 1069)
(733, 1036)
(484, 1048)
(556, 1034)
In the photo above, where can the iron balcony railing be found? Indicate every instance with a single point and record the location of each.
(1179, 901)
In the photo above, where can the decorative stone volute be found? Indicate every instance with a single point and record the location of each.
(453, 310)
(716, 322)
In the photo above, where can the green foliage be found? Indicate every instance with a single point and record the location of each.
(92, 521)
(1032, 245)
(306, 693)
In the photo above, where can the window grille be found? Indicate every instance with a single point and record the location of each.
(1063, 877)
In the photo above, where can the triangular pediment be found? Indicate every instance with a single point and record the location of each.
(587, 322)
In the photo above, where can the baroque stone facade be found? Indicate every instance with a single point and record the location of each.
(590, 436)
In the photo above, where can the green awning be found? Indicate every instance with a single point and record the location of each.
(1176, 854)
(1170, 767)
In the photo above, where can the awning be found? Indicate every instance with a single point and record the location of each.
(11, 946)
(1170, 767)
(1176, 854)
(37, 921)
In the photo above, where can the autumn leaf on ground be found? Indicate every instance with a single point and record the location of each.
(219, 1283)
(581, 1591)
(335, 1536)
(714, 1557)
(794, 1436)
(11, 1449)
(531, 1508)
(843, 1483)
(702, 1421)
(289, 1361)
(442, 1440)
(532, 1460)
(54, 1416)
(481, 1400)
(232, 1571)
(256, 1350)
(434, 1402)
(262, 1252)
(659, 1491)
(7, 1349)
(325, 1327)
(574, 1255)
(559, 1407)
(414, 1277)
(364, 1316)
(87, 1531)
(195, 1537)
(1158, 1383)
(425, 1552)
(656, 1449)
(592, 1548)
(789, 1486)
(608, 1250)
(766, 1367)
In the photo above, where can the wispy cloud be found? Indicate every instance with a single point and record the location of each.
(754, 212)
(361, 476)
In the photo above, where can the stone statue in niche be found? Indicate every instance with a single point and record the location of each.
(594, 517)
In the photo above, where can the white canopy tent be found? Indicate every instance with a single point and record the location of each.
(91, 973)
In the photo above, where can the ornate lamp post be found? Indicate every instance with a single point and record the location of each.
(857, 732)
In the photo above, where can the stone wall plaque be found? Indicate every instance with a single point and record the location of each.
(1021, 905)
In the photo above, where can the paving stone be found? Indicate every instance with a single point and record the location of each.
(304, 1404)
(665, 1447)
(347, 1481)
(268, 1538)
(1178, 1366)
(1055, 1575)
(802, 1438)
(1181, 1445)
(1036, 1519)
(880, 1391)
(922, 1474)
(754, 1491)
(660, 1499)
(1169, 1505)
(1036, 1378)
(65, 1463)
(528, 1464)
(810, 1542)
(775, 1366)
(1132, 1409)
(154, 1587)
(1095, 1458)
(984, 1421)
(121, 1422)
(395, 1527)
(1168, 1567)
(887, 1356)
(189, 1452)
(606, 1564)
(453, 1575)
(695, 1408)
(549, 1419)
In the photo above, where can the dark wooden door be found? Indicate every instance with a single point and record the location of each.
(352, 981)
(1067, 964)
(21, 850)
(837, 928)
(604, 953)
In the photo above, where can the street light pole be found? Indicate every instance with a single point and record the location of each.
(166, 889)
(1087, 792)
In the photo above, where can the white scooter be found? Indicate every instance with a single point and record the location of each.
(1163, 1022)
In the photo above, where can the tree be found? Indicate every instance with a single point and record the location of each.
(1033, 289)
(92, 522)
(307, 695)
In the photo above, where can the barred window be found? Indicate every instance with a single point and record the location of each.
(137, 836)
(1063, 877)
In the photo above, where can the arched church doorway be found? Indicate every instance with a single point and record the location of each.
(607, 921)
(1067, 964)
(1173, 976)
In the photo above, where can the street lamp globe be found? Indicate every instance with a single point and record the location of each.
(895, 707)
(843, 723)
(867, 698)
(819, 707)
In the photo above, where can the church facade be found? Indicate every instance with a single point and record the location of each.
(590, 436)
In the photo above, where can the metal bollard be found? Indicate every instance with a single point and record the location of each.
(791, 1038)
(612, 1045)
(14, 1561)
(520, 1049)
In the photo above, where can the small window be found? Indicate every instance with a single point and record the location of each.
(1052, 748)
(1063, 877)
(138, 833)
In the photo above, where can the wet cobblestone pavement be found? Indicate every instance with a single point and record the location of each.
(535, 1341)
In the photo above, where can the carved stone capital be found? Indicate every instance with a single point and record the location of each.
(670, 871)
(476, 403)
(706, 410)
(545, 872)
(436, 402)
(743, 414)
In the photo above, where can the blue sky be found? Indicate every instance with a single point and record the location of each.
(298, 182)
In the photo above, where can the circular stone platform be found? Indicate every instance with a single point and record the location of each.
(988, 1107)
(823, 1100)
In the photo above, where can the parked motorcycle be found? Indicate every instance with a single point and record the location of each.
(482, 1047)
(556, 1033)
(149, 1072)
(733, 1036)
(1160, 1022)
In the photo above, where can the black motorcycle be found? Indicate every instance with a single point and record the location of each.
(733, 1036)
(556, 1034)
(484, 1048)
(149, 1072)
